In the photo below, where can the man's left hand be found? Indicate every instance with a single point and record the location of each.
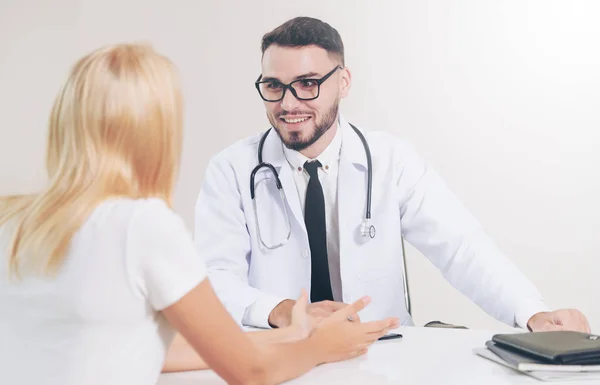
(563, 319)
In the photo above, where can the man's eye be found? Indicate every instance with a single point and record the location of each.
(274, 86)
(308, 83)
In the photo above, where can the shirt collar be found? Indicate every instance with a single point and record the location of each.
(329, 158)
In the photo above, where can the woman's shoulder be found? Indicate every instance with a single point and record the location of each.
(148, 216)
(125, 216)
(129, 208)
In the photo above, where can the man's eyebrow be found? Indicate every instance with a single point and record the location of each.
(303, 76)
(269, 79)
(307, 75)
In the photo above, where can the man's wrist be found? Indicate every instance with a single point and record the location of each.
(281, 315)
(527, 311)
(533, 321)
(257, 314)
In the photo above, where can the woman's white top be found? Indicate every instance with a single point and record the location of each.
(98, 321)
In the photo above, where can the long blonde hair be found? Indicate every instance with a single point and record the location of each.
(115, 130)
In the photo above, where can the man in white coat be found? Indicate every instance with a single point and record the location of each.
(260, 253)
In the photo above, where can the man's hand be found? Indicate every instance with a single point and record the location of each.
(564, 319)
(281, 315)
(318, 311)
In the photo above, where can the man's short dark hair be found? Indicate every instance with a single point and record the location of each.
(305, 31)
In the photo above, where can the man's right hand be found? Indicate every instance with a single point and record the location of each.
(281, 315)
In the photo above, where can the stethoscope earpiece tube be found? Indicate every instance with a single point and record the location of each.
(270, 167)
(261, 165)
(261, 144)
(369, 178)
(252, 193)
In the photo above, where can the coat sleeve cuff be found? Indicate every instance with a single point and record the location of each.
(257, 314)
(527, 309)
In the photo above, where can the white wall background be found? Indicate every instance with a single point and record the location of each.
(502, 97)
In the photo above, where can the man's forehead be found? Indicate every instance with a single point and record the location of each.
(286, 63)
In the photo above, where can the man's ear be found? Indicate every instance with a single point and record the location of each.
(345, 82)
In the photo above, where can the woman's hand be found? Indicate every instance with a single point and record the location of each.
(301, 324)
(336, 338)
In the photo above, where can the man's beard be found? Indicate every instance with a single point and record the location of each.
(295, 140)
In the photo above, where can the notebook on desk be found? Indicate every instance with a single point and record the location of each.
(555, 347)
(544, 372)
(547, 356)
(526, 363)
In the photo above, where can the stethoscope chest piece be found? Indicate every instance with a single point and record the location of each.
(372, 231)
(367, 229)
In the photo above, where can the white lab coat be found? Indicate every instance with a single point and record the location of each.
(408, 200)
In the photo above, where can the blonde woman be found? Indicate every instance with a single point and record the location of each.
(98, 272)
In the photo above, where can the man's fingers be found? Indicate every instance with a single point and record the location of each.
(576, 324)
(582, 323)
(330, 306)
(563, 319)
(315, 310)
(548, 327)
(318, 312)
(335, 306)
(571, 319)
(326, 308)
(585, 323)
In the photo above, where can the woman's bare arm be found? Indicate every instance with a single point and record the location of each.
(238, 359)
(183, 357)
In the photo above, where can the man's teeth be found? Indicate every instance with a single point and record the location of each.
(295, 120)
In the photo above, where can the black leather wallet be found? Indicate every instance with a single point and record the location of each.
(556, 347)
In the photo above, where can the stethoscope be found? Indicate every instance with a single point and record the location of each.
(366, 228)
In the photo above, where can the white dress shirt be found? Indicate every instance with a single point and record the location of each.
(328, 176)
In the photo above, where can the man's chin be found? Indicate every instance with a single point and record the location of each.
(297, 145)
(293, 140)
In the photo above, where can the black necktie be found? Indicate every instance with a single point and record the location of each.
(314, 218)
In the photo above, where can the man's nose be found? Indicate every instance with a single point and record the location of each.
(289, 101)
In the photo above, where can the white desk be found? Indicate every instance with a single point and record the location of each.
(424, 356)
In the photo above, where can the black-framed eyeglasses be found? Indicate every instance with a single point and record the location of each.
(302, 89)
